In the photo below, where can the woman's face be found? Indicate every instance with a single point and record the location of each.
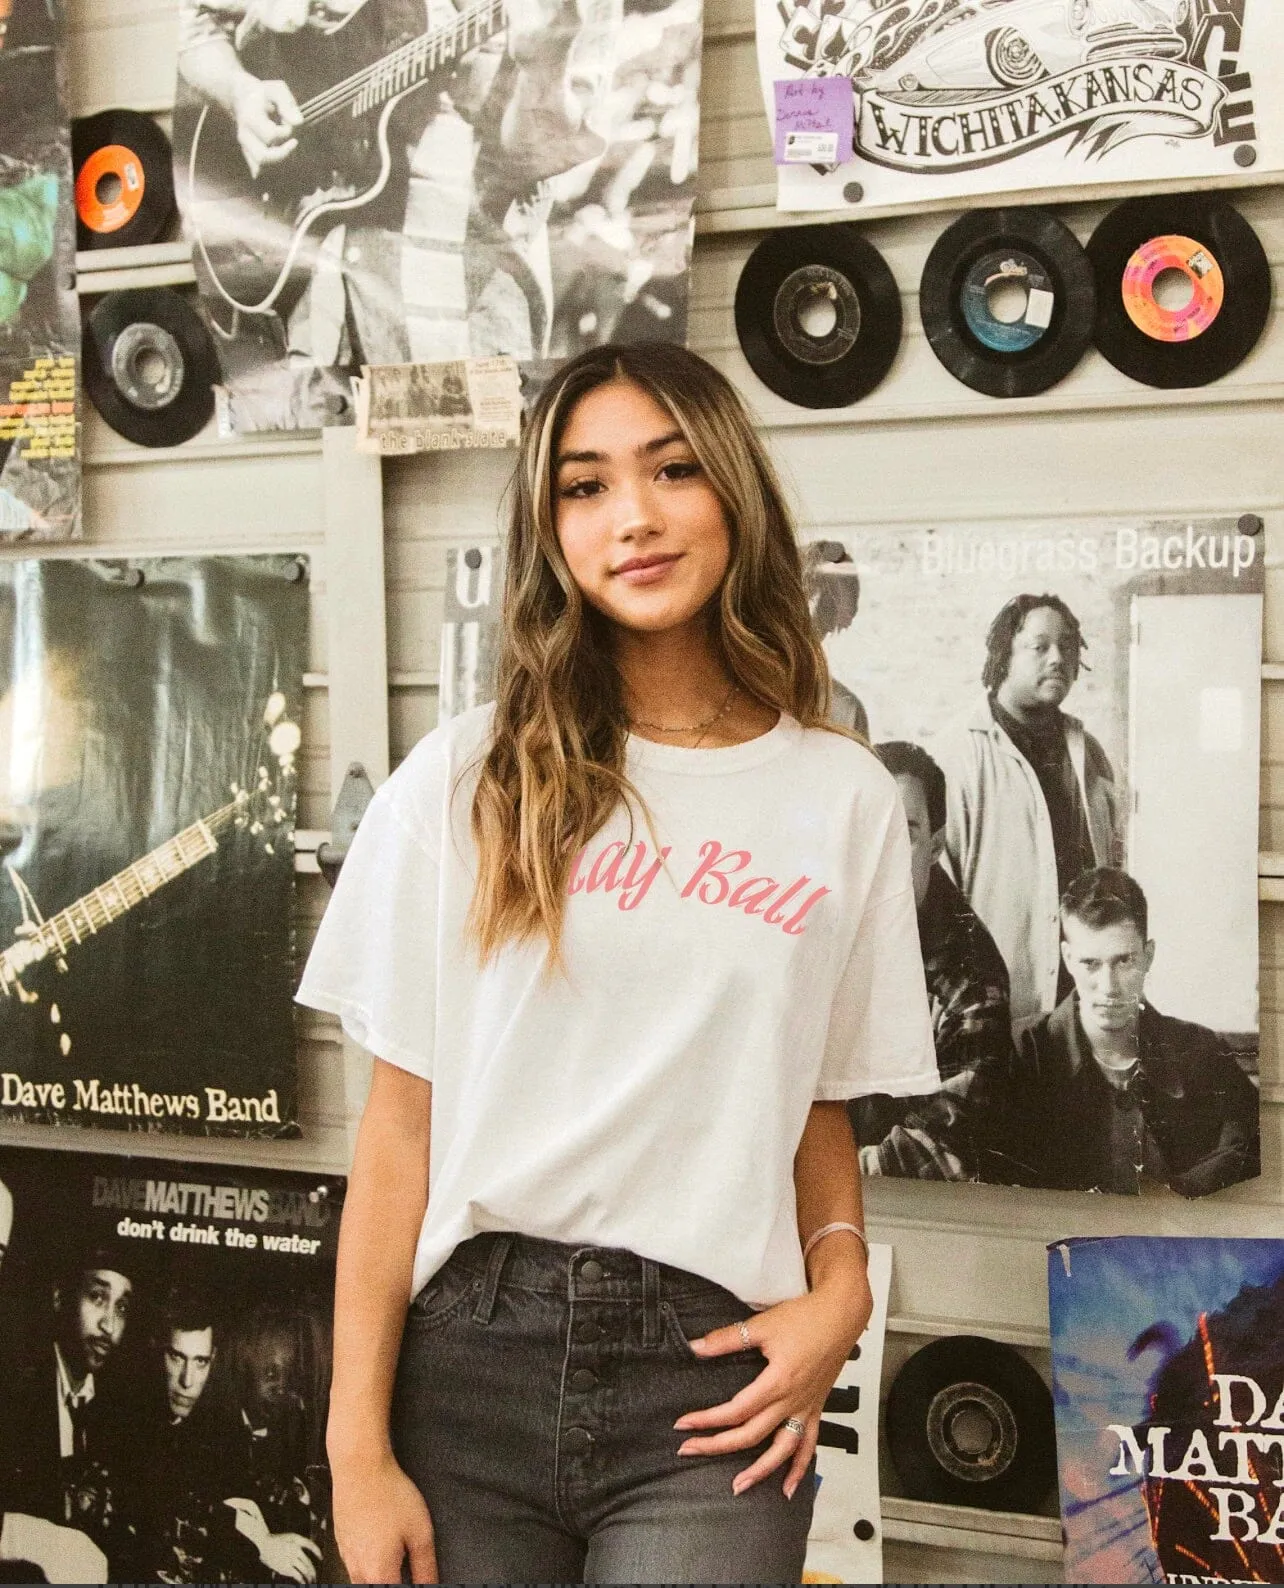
(641, 527)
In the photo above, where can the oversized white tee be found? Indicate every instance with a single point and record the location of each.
(652, 1095)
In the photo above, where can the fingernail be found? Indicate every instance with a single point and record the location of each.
(698, 1345)
(790, 1490)
(685, 1449)
(737, 1486)
(682, 1423)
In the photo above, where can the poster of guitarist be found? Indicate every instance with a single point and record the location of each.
(384, 181)
(148, 740)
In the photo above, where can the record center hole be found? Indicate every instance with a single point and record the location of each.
(817, 314)
(108, 188)
(1173, 290)
(149, 368)
(971, 1431)
(1008, 301)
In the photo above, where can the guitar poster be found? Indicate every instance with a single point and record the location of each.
(148, 739)
(1168, 1377)
(421, 181)
(39, 315)
(184, 1311)
(955, 99)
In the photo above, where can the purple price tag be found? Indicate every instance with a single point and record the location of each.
(814, 121)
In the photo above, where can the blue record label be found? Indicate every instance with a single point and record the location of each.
(1024, 270)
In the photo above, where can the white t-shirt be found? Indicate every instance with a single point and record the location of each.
(653, 1096)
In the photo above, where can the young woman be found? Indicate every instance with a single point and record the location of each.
(622, 946)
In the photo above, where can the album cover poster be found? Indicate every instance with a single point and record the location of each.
(39, 315)
(1073, 723)
(1168, 1377)
(164, 1370)
(423, 181)
(960, 98)
(148, 736)
(470, 629)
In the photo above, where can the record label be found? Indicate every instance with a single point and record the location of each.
(1154, 259)
(1022, 270)
(818, 315)
(1034, 251)
(1210, 243)
(107, 211)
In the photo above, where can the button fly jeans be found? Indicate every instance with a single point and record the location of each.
(534, 1407)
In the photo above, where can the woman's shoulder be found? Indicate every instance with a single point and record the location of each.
(847, 760)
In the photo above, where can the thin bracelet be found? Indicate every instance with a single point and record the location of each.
(830, 1229)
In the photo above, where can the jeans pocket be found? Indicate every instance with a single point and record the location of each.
(445, 1294)
(687, 1320)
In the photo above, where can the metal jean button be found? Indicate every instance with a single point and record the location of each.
(592, 1270)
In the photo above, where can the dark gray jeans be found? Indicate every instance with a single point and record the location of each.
(536, 1395)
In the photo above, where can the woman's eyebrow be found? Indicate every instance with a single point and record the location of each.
(658, 444)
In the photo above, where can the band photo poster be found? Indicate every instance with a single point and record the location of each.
(1074, 728)
(39, 313)
(164, 1370)
(148, 739)
(1168, 1380)
(419, 181)
(958, 98)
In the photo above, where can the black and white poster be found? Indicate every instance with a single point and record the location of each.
(395, 181)
(148, 737)
(1074, 726)
(470, 628)
(39, 316)
(164, 1370)
(960, 98)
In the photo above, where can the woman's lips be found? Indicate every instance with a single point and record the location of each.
(646, 570)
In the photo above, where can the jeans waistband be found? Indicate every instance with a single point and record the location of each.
(579, 1272)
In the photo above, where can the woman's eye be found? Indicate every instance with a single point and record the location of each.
(680, 469)
(580, 488)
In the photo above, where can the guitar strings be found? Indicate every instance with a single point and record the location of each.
(335, 97)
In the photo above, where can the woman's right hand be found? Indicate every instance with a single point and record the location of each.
(380, 1519)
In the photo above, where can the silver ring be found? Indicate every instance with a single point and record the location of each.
(744, 1335)
(795, 1425)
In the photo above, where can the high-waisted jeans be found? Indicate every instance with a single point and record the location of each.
(534, 1407)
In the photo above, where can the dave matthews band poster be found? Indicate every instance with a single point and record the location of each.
(1168, 1372)
(1074, 729)
(397, 181)
(39, 318)
(955, 98)
(164, 1370)
(148, 737)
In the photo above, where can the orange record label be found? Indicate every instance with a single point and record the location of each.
(114, 159)
(1193, 261)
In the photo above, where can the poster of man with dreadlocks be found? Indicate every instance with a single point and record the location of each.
(955, 98)
(1168, 1367)
(1074, 732)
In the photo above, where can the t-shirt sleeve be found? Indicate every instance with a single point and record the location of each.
(374, 961)
(880, 1027)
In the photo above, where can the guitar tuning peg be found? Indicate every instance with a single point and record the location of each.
(64, 1044)
(269, 849)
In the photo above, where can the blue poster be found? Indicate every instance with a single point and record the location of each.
(1168, 1377)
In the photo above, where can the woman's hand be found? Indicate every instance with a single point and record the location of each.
(806, 1341)
(380, 1519)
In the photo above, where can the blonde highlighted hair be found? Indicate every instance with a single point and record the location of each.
(554, 770)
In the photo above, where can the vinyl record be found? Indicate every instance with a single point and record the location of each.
(124, 179)
(818, 315)
(1203, 239)
(969, 1422)
(149, 365)
(1025, 248)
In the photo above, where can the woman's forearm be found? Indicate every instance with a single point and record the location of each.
(827, 1191)
(383, 1210)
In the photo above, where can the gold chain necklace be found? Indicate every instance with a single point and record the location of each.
(696, 727)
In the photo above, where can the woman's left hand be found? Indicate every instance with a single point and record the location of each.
(806, 1341)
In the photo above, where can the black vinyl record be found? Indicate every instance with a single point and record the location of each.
(1213, 246)
(149, 365)
(828, 270)
(124, 179)
(970, 1422)
(1033, 251)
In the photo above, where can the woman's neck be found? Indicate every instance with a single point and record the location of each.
(678, 680)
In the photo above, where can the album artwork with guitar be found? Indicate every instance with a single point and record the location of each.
(149, 735)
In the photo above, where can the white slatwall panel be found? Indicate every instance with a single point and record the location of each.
(922, 449)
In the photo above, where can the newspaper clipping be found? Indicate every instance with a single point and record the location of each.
(166, 1366)
(470, 402)
(1088, 919)
(148, 744)
(39, 316)
(1168, 1366)
(409, 181)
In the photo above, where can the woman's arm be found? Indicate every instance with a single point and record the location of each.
(379, 1515)
(807, 1340)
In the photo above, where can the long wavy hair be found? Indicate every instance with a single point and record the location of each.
(554, 770)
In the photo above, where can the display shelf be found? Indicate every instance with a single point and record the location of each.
(962, 1527)
(117, 269)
